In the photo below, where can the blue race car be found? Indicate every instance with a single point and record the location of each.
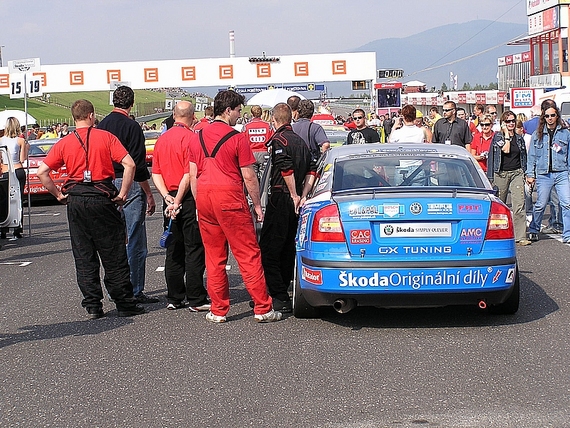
(404, 225)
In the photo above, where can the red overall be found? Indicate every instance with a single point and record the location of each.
(224, 217)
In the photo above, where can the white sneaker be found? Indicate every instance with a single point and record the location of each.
(202, 308)
(215, 318)
(270, 316)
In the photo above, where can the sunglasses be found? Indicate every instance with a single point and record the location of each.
(547, 116)
(357, 117)
(486, 124)
(448, 109)
(510, 121)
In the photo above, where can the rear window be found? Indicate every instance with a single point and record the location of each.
(408, 171)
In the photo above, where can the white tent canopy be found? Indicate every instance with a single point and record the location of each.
(414, 83)
(271, 97)
(18, 114)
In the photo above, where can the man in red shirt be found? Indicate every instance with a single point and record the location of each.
(185, 256)
(206, 120)
(96, 228)
(258, 134)
(221, 163)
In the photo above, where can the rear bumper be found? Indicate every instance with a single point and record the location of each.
(407, 284)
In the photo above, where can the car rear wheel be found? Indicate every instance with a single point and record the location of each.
(511, 305)
(301, 309)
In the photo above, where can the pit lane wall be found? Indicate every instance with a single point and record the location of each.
(187, 73)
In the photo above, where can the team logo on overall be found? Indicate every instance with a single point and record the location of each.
(416, 208)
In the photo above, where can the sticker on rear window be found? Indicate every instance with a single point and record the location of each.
(440, 209)
(470, 208)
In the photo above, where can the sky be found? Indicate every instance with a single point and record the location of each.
(81, 31)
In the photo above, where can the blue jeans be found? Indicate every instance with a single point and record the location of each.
(134, 211)
(555, 218)
(544, 185)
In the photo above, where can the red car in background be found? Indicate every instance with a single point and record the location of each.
(38, 151)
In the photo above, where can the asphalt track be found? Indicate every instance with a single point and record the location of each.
(441, 367)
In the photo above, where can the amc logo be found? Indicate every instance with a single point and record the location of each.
(42, 76)
(4, 80)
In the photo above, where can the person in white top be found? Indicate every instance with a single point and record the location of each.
(409, 132)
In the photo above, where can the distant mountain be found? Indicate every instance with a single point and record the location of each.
(440, 45)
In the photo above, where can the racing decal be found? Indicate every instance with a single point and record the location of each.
(440, 209)
(303, 228)
(415, 230)
(416, 208)
(312, 276)
(497, 276)
(321, 186)
(372, 211)
(360, 236)
(470, 208)
(416, 281)
(391, 210)
(415, 250)
(471, 235)
(510, 276)
(327, 167)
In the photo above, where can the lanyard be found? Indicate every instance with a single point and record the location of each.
(85, 146)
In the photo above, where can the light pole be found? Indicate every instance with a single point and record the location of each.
(1, 61)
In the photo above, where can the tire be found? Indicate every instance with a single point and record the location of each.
(511, 305)
(301, 309)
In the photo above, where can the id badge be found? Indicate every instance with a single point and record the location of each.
(87, 176)
(448, 142)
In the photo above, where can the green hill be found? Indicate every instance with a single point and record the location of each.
(56, 107)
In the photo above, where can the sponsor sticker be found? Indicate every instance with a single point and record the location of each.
(440, 209)
(416, 208)
(312, 276)
(360, 236)
(470, 235)
(415, 230)
(303, 228)
(470, 208)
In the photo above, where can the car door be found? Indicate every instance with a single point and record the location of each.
(10, 200)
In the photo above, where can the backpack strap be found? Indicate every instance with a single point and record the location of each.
(222, 141)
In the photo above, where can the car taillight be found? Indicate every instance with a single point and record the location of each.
(327, 226)
(500, 225)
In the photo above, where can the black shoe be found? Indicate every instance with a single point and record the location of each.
(2, 235)
(95, 313)
(144, 299)
(533, 237)
(282, 306)
(131, 311)
(17, 235)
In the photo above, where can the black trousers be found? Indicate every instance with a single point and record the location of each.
(185, 258)
(98, 232)
(277, 244)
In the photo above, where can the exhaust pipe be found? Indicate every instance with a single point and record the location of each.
(482, 304)
(343, 306)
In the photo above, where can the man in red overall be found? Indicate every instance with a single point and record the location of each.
(221, 162)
